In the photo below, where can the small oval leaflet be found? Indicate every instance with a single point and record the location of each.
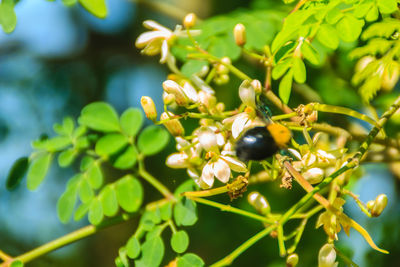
(17, 172)
(152, 140)
(180, 241)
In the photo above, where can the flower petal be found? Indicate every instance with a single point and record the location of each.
(146, 37)
(235, 164)
(207, 175)
(153, 25)
(164, 51)
(238, 124)
(222, 170)
(177, 160)
(189, 90)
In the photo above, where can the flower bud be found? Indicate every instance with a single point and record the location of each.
(327, 256)
(379, 205)
(207, 139)
(239, 32)
(259, 202)
(221, 79)
(257, 86)
(370, 204)
(247, 93)
(390, 77)
(292, 260)
(189, 21)
(222, 69)
(363, 63)
(177, 160)
(220, 107)
(172, 87)
(168, 98)
(314, 175)
(149, 107)
(208, 100)
(190, 92)
(174, 126)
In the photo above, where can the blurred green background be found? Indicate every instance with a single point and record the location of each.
(59, 59)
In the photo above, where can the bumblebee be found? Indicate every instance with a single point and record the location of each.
(261, 142)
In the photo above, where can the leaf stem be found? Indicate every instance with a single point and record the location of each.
(229, 208)
(231, 257)
(154, 182)
(206, 193)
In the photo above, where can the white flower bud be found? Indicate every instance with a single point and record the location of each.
(314, 175)
(327, 256)
(379, 205)
(189, 21)
(292, 260)
(207, 139)
(257, 86)
(174, 126)
(149, 107)
(259, 202)
(177, 160)
(172, 87)
(239, 32)
(190, 92)
(247, 93)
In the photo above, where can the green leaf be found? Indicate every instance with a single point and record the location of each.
(152, 252)
(82, 142)
(95, 212)
(180, 241)
(224, 46)
(108, 198)
(74, 181)
(372, 14)
(333, 16)
(66, 204)
(17, 263)
(152, 140)
(285, 87)
(190, 260)
(8, 19)
(361, 10)
(100, 116)
(95, 176)
(129, 193)
(85, 191)
(146, 221)
(349, 28)
(66, 157)
(310, 53)
(281, 68)
(127, 159)
(86, 163)
(95, 7)
(69, 3)
(57, 143)
(66, 128)
(110, 144)
(133, 247)
(131, 121)
(185, 213)
(299, 70)
(327, 35)
(38, 170)
(81, 211)
(166, 211)
(387, 6)
(191, 67)
(122, 256)
(17, 172)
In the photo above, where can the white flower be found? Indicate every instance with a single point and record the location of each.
(247, 93)
(327, 256)
(243, 121)
(220, 168)
(157, 40)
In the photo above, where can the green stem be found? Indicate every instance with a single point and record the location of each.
(299, 231)
(154, 182)
(281, 242)
(231, 257)
(284, 116)
(207, 193)
(229, 208)
(65, 240)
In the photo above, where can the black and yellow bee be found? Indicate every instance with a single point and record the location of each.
(261, 142)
